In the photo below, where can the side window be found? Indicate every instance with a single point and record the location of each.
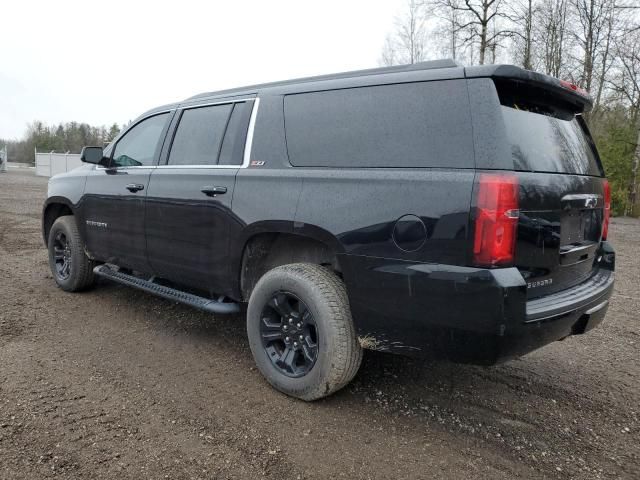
(233, 146)
(422, 124)
(139, 145)
(198, 139)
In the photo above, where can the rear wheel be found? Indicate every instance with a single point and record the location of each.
(301, 333)
(71, 268)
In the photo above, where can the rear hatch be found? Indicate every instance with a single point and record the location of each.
(561, 187)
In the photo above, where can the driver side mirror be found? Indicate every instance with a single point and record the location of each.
(93, 155)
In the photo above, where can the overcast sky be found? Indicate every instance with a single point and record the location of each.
(107, 61)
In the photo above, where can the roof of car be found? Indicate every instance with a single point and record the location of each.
(421, 71)
(420, 66)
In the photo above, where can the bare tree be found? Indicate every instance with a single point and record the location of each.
(523, 14)
(477, 23)
(448, 28)
(552, 34)
(407, 44)
(451, 30)
(594, 18)
(627, 81)
(606, 58)
(527, 27)
(389, 54)
(452, 20)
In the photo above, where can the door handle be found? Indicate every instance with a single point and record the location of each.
(135, 187)
(213, 191)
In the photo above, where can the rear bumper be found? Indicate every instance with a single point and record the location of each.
(570, 312)
(588, 298)
(467, 314)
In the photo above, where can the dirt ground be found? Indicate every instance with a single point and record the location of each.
(115, 383)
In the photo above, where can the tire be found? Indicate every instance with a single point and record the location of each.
(321, 299)
(65, 244)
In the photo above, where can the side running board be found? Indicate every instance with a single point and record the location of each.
(202, 303)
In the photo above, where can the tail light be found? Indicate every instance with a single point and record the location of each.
(496, 220)
(607, 208)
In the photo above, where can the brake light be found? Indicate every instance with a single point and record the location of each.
(496, 220)
(607, 208)
(574, 87)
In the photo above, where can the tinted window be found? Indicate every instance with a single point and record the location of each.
(199, 136)
(545, 142)
(233, 144)
(138, 146)
(423, 124)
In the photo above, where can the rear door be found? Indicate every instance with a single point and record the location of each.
(189, 217)
(561, 189)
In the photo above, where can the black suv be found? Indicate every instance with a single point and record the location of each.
(424, 209)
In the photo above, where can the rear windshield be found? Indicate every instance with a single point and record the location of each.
(548, 139)
(425, 124)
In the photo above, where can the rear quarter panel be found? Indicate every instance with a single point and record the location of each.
(361, 207)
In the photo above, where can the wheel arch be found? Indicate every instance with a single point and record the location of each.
(270, 245)
(54, 208)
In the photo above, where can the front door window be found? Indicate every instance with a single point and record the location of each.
(139, 145)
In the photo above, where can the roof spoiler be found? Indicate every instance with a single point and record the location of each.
(569, 92)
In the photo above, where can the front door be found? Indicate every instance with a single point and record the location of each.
(189, 218)
(113, 207)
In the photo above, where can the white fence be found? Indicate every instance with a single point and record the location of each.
(3, 159)
(50, 164)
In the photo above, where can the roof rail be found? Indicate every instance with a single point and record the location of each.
(429, 65)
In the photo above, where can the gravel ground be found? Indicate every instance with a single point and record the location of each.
(115, 383)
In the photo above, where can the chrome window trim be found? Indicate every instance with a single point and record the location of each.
(248, 144)
(183, 167)
(221, 102)
(131, 167)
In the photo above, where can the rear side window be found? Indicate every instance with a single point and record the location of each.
(424, 124)
(233, 145)
(546, 137)
(198, 138)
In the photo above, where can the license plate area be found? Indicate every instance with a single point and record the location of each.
(572, 228)
(579, 236)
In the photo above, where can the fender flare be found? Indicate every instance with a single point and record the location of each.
(55, 200)
(303, 230)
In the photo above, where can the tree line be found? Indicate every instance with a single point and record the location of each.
(64, 137)
(594, 44)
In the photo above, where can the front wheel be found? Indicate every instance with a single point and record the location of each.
(71, 268)
(301, 333)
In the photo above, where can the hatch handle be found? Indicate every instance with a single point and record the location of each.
(581, 201)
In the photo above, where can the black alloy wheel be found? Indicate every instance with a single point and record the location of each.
(289, 334)
(70, 265)
(62, 255)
